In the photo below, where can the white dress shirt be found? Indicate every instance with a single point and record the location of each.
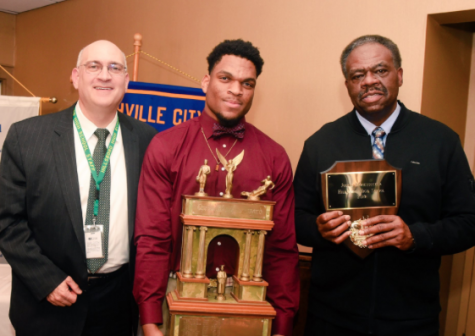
(118, 253)
(387, 125)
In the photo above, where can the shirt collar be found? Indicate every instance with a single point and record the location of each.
(207, 123)
(387, 125)
(88, 126)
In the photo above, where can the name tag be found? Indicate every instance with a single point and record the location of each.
(93, 236)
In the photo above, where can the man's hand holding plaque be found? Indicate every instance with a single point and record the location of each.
(388, 230)
(333, 226)
(358, 195)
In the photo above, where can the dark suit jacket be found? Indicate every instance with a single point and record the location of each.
(41, 226)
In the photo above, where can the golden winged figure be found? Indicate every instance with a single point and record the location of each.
(230, 167)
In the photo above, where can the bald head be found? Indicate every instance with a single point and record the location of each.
(100, 86)
(101, 44)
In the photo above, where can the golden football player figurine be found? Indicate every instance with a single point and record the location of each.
(267, 184)
(230, 167)
(201, 178)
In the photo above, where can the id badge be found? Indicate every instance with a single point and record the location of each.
(93, 236)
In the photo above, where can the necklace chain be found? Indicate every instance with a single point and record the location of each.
(216, 159)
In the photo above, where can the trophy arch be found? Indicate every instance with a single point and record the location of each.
(234, 259)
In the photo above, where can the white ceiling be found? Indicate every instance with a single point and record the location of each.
(19, 6)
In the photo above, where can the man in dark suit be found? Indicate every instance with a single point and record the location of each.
(68, 189)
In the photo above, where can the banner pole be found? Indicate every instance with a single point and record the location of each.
(52, 100)
(137, 45)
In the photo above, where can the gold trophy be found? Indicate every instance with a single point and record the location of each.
(199, 305)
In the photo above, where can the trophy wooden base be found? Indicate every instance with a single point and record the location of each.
(219, 318)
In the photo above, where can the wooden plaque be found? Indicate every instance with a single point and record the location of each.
(362, 189)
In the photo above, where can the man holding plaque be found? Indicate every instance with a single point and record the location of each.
(220, 134)
(395, 289)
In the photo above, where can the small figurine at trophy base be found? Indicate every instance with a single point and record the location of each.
(221, 284)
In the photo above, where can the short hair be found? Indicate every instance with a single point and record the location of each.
(78, 64)
(365, 39)
(238, 48)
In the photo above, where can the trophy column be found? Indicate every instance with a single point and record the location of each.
(247, 256)
(260, 257)
(187, 272)
(200, 272)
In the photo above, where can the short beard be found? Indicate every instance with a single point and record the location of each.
(227, 122)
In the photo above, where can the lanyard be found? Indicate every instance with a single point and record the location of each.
(102, 172)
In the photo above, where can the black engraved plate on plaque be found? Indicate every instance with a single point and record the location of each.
(217, 326)
(356, 190)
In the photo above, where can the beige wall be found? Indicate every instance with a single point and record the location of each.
(445, 88)
(7, 50)
(469, 144)
(461, 303)
(7, 39)
(301, 87)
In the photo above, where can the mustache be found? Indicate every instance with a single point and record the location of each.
(380, 88)
(234, 100)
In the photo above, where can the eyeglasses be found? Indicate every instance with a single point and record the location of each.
(94, 67)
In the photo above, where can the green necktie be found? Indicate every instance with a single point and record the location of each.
(104, 199)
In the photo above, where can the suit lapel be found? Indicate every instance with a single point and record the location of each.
(131, 151)
(65, 161)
